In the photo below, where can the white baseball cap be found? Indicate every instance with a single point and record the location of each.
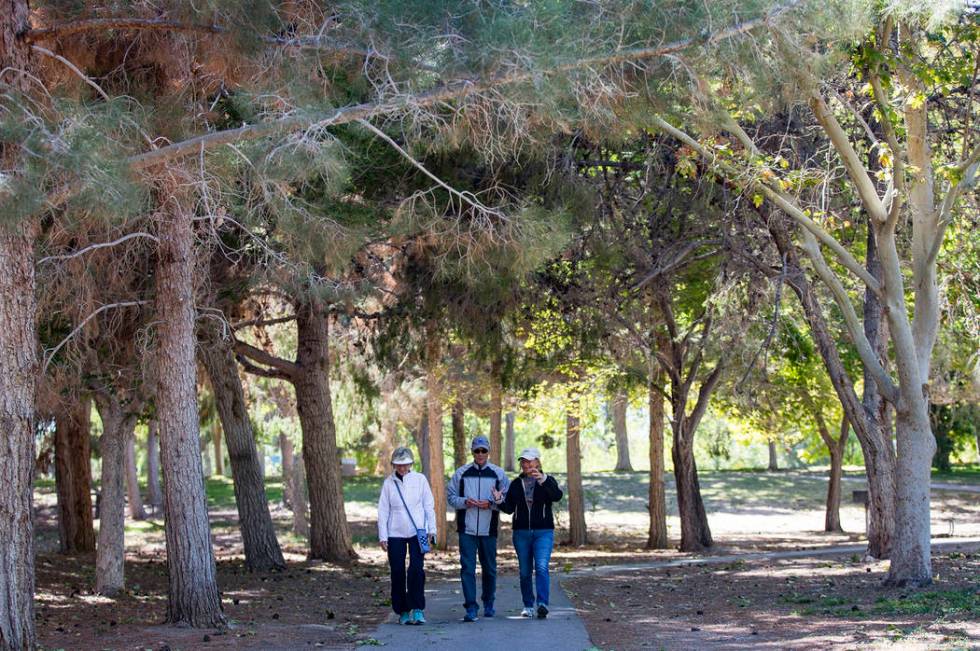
(529, 454)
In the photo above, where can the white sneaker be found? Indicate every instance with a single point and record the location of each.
(527, 612)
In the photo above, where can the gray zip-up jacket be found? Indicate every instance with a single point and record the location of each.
(475, 482)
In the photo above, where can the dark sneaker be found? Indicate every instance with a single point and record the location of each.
(405, 618)
(489, 611)
(470, 616)
(542, 611)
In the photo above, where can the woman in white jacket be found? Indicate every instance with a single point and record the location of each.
(406, 505)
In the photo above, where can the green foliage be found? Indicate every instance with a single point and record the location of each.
(955, 427)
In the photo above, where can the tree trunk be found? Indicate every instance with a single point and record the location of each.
(509, 452)
(459, 434)
(73, 478)
(577, 532)
(18, 368)
(836, 450)
(437, 469)
(136, 510)
(879, 455)
(330, 536)
(496, 418)
(193, 597)
(619, 406)
(657, 538)
(864, 417)
(117, 427)
(300, 496)
(154, 495)
(911, 562)
(695, 533)
(219, 458)
(262, 551)
(421, 437)
(286, 450)
(386, 443)
(773, 457)
(206, 458)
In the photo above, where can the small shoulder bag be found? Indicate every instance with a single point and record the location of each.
(422, 534)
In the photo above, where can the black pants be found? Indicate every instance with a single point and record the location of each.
(403, 600)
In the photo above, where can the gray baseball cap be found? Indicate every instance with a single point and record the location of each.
(401, 456)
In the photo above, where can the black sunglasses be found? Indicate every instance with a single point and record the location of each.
(481, 451)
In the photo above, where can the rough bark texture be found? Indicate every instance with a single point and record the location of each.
(73, 478)
(154, 495)
(330, 537)
(18, 366)
(18, 371)
(509, 452)
(262, 552)
(496, 418)
(695, 532)
(437, 465)
(136, 510)
(773, 457)
(577, 532)
(117, 428)
(619, 405)
(657, 538)
(459, 434)
(193, 588)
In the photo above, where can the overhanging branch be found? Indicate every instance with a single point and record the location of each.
(450, 91)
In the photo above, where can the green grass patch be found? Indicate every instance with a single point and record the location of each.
(939, 602)
(964, 474)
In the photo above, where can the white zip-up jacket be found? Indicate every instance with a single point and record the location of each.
(393, 520)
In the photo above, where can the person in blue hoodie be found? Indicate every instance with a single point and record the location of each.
(470, 493)
(530, 498)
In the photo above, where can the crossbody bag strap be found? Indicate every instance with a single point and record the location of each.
(407, 510)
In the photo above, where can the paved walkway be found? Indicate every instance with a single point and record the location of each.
(445, 629)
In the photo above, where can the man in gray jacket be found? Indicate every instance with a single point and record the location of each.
(469, 493)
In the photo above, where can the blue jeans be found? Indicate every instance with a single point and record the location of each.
(403, 600)
(533, 547)
(470, 547)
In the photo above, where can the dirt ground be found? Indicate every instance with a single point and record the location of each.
(318, 605)
(830, 602)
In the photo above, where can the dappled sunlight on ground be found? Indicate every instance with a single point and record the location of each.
(318, 603)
